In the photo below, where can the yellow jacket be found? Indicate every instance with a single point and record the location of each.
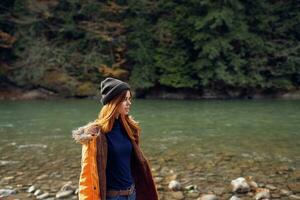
(92, 181)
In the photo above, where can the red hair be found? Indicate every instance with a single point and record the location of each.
(108, 114)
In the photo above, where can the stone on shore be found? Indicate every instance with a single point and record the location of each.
(208, 197)
(240, 185)
(262, 193)
(6, 192)
(294, 197)
(234, 198)
(31, 189)
(174, 185)
(178, 195)
(43, 196)
(63, 194)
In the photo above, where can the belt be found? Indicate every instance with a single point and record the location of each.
(112, 193)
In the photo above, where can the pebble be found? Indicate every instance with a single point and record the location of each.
(63, 194)
(31, 189)
(6, 162)
(191, 187)
(43, 176)
(43, 196)
(192, 194)
(37, 192)
(67, 186)
(271, 187)
(208, 197)
(294, 197)
(219, 190)
(295, 187)
(158, 179)
(253, 185)
(178, 195)
(275, 196)
(174, 185)
(285, 192)
(262, 193)
(8, 178)
(155, 168)
(6, 192)
(234, 198)
(240, 185)
(261, 185)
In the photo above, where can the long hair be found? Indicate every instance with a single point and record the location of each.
(107, 115)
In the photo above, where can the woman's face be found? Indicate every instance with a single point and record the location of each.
(125, 105)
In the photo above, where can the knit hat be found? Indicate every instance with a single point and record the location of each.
(110, 88)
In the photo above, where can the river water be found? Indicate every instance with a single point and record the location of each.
(201, 142)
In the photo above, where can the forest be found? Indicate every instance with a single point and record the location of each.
(231, 48)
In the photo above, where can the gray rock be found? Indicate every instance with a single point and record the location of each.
(77, 191)
(192, 194)
(174, 185)
(43, 176)
(7, 162)
(285, 192)
(240, 185)
(8, 178)
(271, 187)
(37, 192)
(43, 196)
(294, 197)
(63, 194)
(67, 186)
(219, 190)
(275, 196)
(6, 192)
(208, 197)
(295, 187)
(234, 198)
(253, 185)
(31, 189)
(159, 187)
(178, 195)
(158, 179)
(262, 193)
(191, 187)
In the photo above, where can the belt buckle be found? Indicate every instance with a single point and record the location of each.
(131, 190)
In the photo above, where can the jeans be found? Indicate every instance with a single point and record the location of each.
(129, 197)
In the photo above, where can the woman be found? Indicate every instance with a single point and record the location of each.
(113, 165)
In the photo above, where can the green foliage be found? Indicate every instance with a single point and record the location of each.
(218, 45)
(209, 44)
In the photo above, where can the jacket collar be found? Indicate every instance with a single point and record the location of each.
(85, 133)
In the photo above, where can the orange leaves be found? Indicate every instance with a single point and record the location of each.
(6, 40)
(113, 71)
(114, 8)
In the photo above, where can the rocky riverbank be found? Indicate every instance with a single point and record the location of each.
(222, 176)
(240, 188)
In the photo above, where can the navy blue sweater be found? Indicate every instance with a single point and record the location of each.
(118, 171)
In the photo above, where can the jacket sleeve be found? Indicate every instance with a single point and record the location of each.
(88, 182)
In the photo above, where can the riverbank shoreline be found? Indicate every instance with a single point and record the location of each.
(17, 93)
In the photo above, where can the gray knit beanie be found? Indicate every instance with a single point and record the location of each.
(110, 88)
